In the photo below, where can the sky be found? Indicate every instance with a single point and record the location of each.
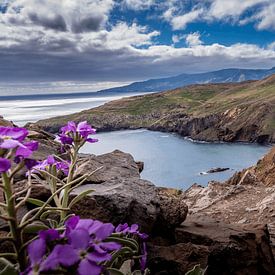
(119, 41)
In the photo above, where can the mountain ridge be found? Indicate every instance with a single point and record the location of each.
(181, 80)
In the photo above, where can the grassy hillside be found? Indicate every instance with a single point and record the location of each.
(230, 112)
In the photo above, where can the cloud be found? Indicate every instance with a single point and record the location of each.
(75, 40)
(193, 39)
(259, 12)
(138, 4)
(179, 22)
(62, 15)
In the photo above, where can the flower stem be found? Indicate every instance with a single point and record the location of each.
(70, 177)
(13, 222)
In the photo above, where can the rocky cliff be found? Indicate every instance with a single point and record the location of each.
(211, 112)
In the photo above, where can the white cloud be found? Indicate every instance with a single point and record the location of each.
(179, 22)
(138, 4)
(193, 39)
(234, 8)
(72, 40)
(266, 17)
(234, 11)
(176, 39)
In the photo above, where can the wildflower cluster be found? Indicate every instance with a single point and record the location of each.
(61, 243)
(15, 149)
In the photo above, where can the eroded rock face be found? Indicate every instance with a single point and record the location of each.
(224, 249)
(247, 198)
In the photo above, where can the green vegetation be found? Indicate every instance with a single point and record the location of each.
(239, 104)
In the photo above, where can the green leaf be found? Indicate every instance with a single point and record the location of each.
(45, 214)
(197, 270)
(7, 268)
(35, 227)
(79, 197)
(35, 202)
(114, 271)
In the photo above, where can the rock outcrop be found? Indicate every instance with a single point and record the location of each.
(220, 248)
(247, 198)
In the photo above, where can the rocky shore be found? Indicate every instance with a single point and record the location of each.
(227, 227)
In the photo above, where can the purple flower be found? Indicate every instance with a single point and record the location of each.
(84, 129)
(82, 244)
(133, 229)
(13, 137)
(5, 165)
(38, 248)
(29, 163)
(45, 164)
(73, 132)
(14, 133)
(97, 230)
(26, 149)
(70, 127)
(65, 139)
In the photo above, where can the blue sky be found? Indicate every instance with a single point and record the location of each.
(127, 40)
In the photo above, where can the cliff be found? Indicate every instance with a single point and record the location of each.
(212, 112)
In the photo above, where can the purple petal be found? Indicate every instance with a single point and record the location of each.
(121, 227)
(36, 250)
(92, 140)
(49, 235)
(95, 227)
(23, 152)
(98, 249)
(51, 160)
(64, 139)
(5, 165)
(10, 144)
(79, 238)
(70, 127)
(87, 268)
(13, 132)
(85, 129)
(64, 255)
(110, 246)
(104, 231)
(99, 257)
(133, 229)
(30, 163)
(32, 145)
(143, 236)
(72, 222)
(85, 224)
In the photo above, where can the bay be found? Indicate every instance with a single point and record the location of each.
(173, 161)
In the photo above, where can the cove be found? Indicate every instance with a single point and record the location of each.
(172, 161)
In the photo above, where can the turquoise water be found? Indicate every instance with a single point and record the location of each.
(173, 161)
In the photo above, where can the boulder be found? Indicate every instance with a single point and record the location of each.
(112, 166)
(121, 196)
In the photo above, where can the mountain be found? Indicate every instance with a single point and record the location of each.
(221, 76)
(228, 112)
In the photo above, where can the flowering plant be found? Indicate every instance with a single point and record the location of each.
(65, 244)
(84, 247)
